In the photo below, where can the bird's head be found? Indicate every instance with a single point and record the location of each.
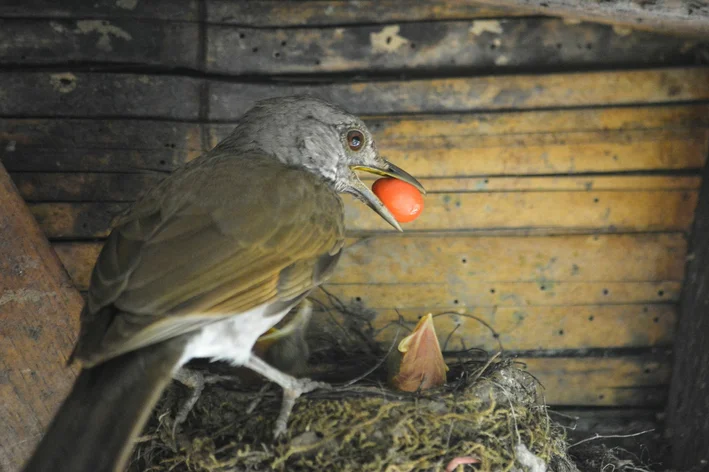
(322, 138)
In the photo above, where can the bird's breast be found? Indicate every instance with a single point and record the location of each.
(231, 339)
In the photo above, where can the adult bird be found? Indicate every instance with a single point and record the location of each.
(205, 263)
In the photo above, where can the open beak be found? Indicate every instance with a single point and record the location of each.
(366, 195)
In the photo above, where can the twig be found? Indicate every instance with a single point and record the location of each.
(377, 365)
(598, 436)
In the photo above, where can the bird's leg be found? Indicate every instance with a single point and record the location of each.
(194, 380)
(292, 388)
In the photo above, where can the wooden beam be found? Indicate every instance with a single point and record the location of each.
(683, 17)
(688, 405)
(39, 309)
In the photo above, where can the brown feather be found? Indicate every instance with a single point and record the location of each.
(201, 247)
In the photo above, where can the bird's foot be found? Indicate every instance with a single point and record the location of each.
(195, 381)
(290, 395)
(292, 389)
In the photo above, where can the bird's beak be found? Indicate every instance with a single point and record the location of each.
(390, 170)
(366, 195)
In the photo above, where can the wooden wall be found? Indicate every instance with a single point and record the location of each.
(562, 158)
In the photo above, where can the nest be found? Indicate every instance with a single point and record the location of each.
(489, 413)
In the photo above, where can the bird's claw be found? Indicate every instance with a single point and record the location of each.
(290, 395)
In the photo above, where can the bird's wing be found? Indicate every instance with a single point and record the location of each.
(217, 238)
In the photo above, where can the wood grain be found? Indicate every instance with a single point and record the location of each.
(538, 328)
(125, 187)
(83, 95)
(688, 405)
(481, 45)
(39, 309)
(484, 261)
(683, 17)
(615, 139)
(118, 41)
(177, 10)
(627, 381)
(440, 297)
(228, 101)
(263, 13)
(555, 212)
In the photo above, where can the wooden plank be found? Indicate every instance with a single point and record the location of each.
(228, 101)
(67, 94)
(538, 328)
(521, 184)
(177, 10)
(686, 17)
(468, 259)
(533, 142)
(40, 312)
(76, 220)
(97, 144)
(523, 212)
(124, 187)
(127, 41)
(688, 405)
(480, 260)
(441, 297)
(554, 211)
(474, 46)
(625, 381)
(518, 328)
(263, 13)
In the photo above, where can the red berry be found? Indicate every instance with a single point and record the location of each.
(403, 200)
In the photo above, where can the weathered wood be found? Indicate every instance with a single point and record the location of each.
(548, 212)
(81, 94)
(177, 10)
(518, 328)
(555, 211)
(538, 328)
(480, 260)
(264, 13)
(127, 41)
(107, 145)
(228, 101)
(686, 17)
(688, 405)
(531, 142)
(459, 45)
(68, 94)
(39, 310)
(122, 187)
(78, 220)
(480, 45)
(441, 297)
(626, 381)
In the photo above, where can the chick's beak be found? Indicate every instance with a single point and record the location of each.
(365, 194)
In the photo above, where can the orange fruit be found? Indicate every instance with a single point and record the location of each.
(403, 200)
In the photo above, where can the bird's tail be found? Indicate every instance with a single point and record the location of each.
(95, 428)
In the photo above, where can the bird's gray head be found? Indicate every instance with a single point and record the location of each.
(320, 137)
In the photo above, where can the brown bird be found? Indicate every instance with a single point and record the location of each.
(204, 264)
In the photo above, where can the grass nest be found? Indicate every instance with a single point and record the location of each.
(489, 412)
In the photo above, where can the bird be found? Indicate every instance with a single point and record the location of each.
(206, 262)
(417, 363)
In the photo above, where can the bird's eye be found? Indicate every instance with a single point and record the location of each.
(355, 139)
